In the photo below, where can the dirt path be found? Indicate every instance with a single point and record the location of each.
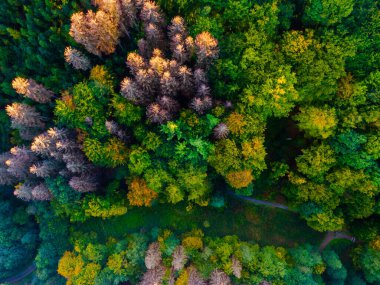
(261, 202)
(20, 275)
(334, 235)
(330, 235)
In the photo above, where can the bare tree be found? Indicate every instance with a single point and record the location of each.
(43, 145)
(23, 115)
(41, 193)
(24, 191)
(169, 85)
(153, 256)
(19, 162)
(206, 47)
(153, 276)
(77, 163)
(200, 77)
(45, 168)
(218, 277)
(179, 258)
(168, 103)
(200, 105)
(97, 31)
(177, 26)
(77, 59)
(236, 267)
(31, 89)
(157, 79)
(135, 62)
(194, 277)
(221, 131)
(157, 114)
(151, 13)
(83, 183)
(131, 91)
(5, 177)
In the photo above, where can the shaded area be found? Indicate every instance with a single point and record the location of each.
(263, 225)
(21, 275)
(330, 236)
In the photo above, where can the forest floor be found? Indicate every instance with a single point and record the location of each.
(263, 225)
(20, 277)
(330, 236)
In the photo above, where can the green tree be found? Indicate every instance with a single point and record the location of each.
(327, 12)
(317, 122)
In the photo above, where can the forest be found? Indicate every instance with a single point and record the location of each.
(189, 142)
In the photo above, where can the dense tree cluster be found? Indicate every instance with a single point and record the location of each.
(194, 259)
(108, 105)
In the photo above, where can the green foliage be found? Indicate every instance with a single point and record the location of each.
(317, 122)
(314, 62)
(369, 262)
(18, 238)
(88, 101)
(111, 153)
(327, 12)
(316, 161)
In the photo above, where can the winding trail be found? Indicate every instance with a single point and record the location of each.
(335, 235)
(21, 275)
(330, 235)
(261, 202)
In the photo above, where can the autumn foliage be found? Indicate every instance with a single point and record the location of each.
(139, 194)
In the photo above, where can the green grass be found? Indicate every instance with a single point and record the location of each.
(260, 224)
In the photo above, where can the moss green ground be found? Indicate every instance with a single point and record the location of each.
(260, 224)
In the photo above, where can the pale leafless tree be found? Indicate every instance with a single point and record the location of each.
(218, 277)
(23, 115)
(83, 183)
(236, 267)
(221, 131)
(206, 48)
(41, 193)
(179, 258)
(153, 256)
(77, 59)
(31, 89)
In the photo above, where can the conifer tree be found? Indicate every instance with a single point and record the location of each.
(23, 115)
(31, 89)
(77, 59)
(41, 193)
(83, 183)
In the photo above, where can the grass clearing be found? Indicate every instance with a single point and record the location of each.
(260, 224)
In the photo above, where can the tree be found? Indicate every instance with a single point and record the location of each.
(76, 58)
(239, 179)
(23, 115)
(153, 256)
(327, 12)
(18, 237)
(317, 122)
(369, 261)
(139, 194)
(83, 183)
(236, 267)
(218, 277)
(70, 265)
(316, 161)
(31, 89)
(179, 258)
(99, 31)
